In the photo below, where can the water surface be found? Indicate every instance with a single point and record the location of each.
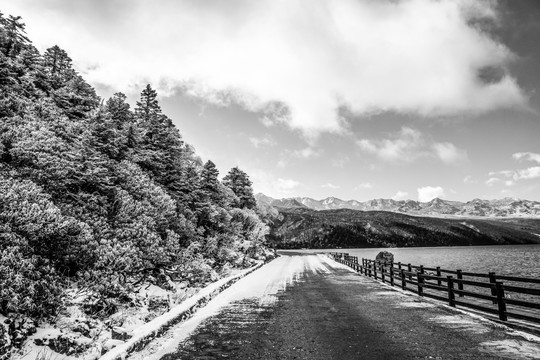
(516, 260)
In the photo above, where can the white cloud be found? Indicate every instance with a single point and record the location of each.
(306, 153)
(527, 156)
(428, 193)
(448, 152)
(421, 57)
(330, 186)
(288, 156)
(262, 142)
(286, 186)
(400, 195)
(266, 183)
(492, 181)
(510, 177)
(410, 144)
(364, 185)
(529, 173)
(469, 180)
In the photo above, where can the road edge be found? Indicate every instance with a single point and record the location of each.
(530, 332)
(149, 331)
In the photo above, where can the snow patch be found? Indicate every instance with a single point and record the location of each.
(472, 227)
(514, 349)
(461, 323)
(316, 264)
(329, 262)
(415, 304)
(153, 328)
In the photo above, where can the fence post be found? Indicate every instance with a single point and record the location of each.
(493, 280)
(375, 270)
(392, 274)
(500, 301)
(403, 280)
(460, 285)
(365, 267)
(451, 295)
(420, 281)
(439, 275)
(382, 270)
(409, 267)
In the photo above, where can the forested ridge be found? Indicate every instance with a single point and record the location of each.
(345, 228)
(98, 196)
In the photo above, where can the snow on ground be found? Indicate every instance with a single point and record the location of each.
(512, 349)
(461, 322)
(263, 284)
(153, 327)
(470, 226)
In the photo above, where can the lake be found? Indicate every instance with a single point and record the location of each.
(517, 260)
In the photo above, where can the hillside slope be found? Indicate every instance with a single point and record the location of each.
(305, 228)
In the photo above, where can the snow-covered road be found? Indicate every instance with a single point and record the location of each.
(306, 306)
(262, 286)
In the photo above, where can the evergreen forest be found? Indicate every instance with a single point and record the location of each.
(101, 196)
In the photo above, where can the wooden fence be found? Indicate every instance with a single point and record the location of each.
(505, 296)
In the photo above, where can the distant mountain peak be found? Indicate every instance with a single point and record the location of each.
(506, 207)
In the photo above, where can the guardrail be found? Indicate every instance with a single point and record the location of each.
(519, 300)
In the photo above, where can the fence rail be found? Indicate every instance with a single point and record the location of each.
(479, 291)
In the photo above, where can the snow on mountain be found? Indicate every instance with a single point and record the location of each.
(409, 206)
(438, 206)
(507, 207)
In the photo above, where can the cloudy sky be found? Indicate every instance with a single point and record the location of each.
(357, 99)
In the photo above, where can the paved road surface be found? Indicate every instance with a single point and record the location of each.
(309, 307)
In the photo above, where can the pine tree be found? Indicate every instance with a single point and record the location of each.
(14, 38)
(148, 107)
(238, 181)
(77, 98)
(113, 128)
(119, 110)
(209, 179)
(107, 137)
(160, 148)
(58, 64)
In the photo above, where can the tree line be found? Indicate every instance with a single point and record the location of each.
(97, 195)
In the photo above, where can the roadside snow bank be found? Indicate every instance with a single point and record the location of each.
(262, 286)
(145, 333)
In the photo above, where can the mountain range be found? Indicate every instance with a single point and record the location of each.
(507, 207)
